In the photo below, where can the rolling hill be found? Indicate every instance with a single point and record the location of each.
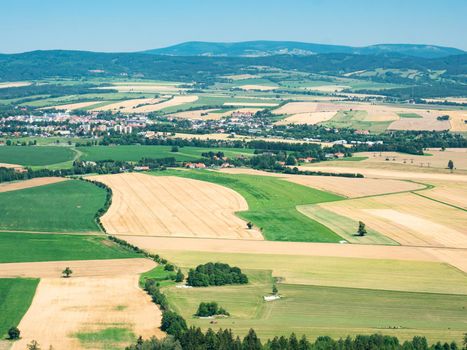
(271, 48)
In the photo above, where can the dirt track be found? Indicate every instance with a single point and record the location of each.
(172, 206)
(455, 257)
(20, 185)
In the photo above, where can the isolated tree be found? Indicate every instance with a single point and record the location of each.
(179, 277)
(34, 345)
(67, 272)
(174, 149)
(291, 160)
(274, 289)
(361, 229)
(451, 165)
(13, 333)
(249, 225)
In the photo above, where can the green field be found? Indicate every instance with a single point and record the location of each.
(112, 338)
(15, 298)
(30, 247)
(135, 153)
(356, 120)
(378, 274)
(68, 206)
(409, 115)
(35, 155)
(272, 205)
(333, 311)
(344, 226)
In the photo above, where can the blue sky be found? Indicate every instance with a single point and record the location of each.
(131, 25)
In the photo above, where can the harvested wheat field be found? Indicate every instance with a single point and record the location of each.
(199, 114)
(148, 87)
(172, 206)
(434, 158)
(128, 106)
(327, 88)
(250, 104)
(14, 84)
(457, 119)
(213, 114)
(73, 106)
(20, 185)
(408, 219)
(65, 312)
(8, 165)
(81, 268)
(376, 172)
(450, 192)
(297, 108)
(158, 244)
(258, 87)
(240, 76)
(428, 122)
(343, 186)
(309, 118)
(174, 101)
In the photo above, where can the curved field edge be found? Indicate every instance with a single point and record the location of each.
(36, 155)
(68, 206)
(16, 296)
(272, 204)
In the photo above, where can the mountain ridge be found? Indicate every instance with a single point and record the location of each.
(263, 48)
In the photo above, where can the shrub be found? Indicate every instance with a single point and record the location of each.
(210, 309)
(13, 333)
(215, 274)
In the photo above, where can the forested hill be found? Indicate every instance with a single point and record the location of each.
(76, 64)
(271, 48)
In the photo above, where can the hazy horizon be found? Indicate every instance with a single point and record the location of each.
(120, 26)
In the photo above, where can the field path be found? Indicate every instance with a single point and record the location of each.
(452, 256)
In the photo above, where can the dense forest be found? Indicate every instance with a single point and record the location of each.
(80, 64)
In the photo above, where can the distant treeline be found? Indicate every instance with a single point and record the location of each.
(196, 339)
(78, 64)
(52, 90)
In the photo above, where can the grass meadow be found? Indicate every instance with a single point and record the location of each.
(135, 153)
(35, 247)
(15, 298)
(34, 155)
(68, 206)
(317, 310)
(272, 205)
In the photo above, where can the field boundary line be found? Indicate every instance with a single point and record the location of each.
(441, 202)
(85, 233)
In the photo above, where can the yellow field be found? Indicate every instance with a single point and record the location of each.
(310, 118)
(72, 106)
(348, 187)
(14, 84)
(64, 308)
(174, 101)
(128, 106)
(19, 185)
(209, 115)
(408, 219)
(453, 193)
(258, 87)
(172, 206)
